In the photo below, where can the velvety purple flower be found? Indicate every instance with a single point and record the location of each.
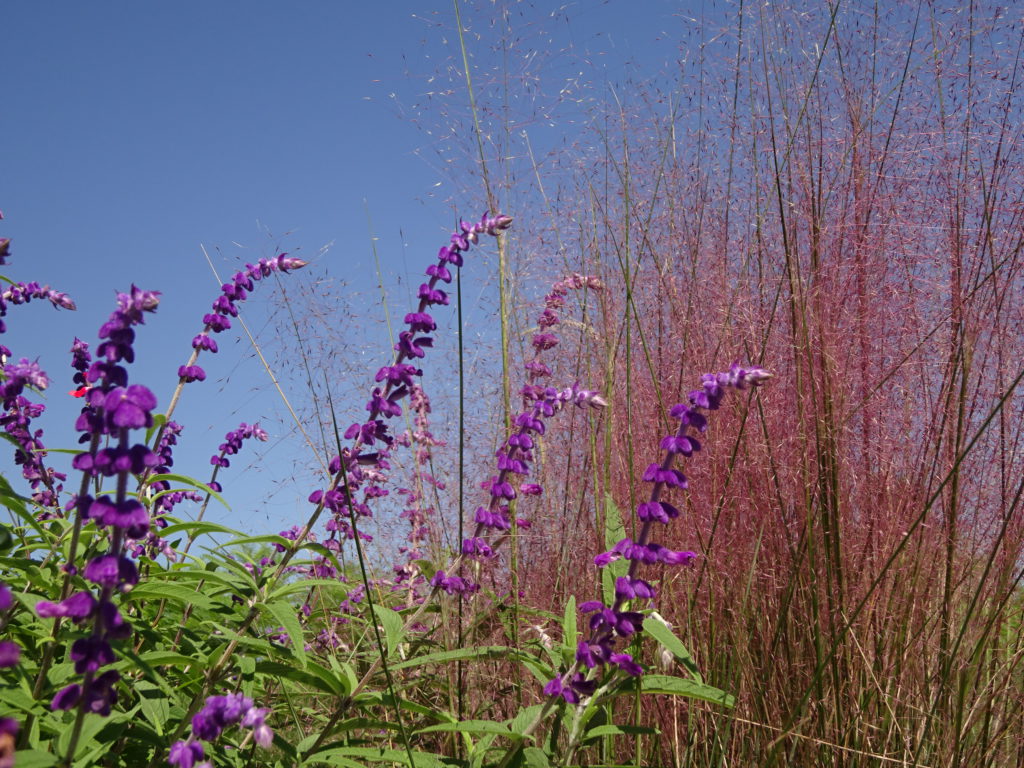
(184, 754)
(79, 605)
(130, 407)
(190, 373)
(10, 652)
(24, 373)
(8, 725)
(100, 695)
(625, 662)
(661, 511)
(542, 341)
(66, 698)
(216, 323)
(255, 719)
(205, 342)
(6, 598)
(420, 322)
(477, 548)
(90, 653)
(453, 585)
(557, 687)
(129, 515)
(492, 519)
(112, 571)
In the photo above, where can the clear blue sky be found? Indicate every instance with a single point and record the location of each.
(132, 133)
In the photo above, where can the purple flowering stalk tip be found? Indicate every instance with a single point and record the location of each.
(494, 521)
(225, 307)
(610, 624)
(357, 470)
(112, 409)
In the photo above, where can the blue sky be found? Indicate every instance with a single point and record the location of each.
(135, 133)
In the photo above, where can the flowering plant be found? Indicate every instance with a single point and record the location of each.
(123, 647)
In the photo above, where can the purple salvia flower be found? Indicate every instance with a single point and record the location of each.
(225, 307)
(361, 468)
(218, 714)
(112, 409)
(610, 623)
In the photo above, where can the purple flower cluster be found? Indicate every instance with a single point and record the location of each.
(18, 413)
(23, 293)
(113, 408)
(233, 442)
(358, 470)
(225, 307)
(544, 339)
(608, 624)
(515, 456)
(218, 714)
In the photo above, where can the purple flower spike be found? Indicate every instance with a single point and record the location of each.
(610, 623)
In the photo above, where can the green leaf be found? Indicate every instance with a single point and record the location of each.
(375, 755)
(480, 652)
(171, 659)
(620, 730)
(159, 419)
(680, 686)
(196, 527)
(33, 758)
(269, 538)
(284, 613)
(535, 758)
(91, 725)
(570, 633)
(614, 532)
(659, 630)
(472, 727)
(392, 624)
(154, 704)
(18, 698)
(169, 591)
(524, 717)
(313, 675)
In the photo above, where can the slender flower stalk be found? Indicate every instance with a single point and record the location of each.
(225, 307)
(113, 409)
(352, 467)
(609, 624)
(16, 420)
(23, 293)
(493, 522)
(355, 469)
